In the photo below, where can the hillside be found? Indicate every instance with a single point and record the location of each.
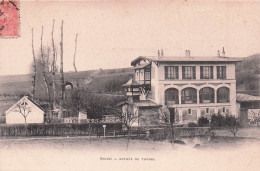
(107, 80)
(110, 80)
(248, 75)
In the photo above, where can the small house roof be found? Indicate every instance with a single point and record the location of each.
(23, 98)
(130, 83)
(142, 103)
(185, 59)
(146, 103)
(247, 98)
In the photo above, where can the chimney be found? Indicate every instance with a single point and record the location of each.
(218, 53)
(187, 53)
(161, 52)
(223, 52)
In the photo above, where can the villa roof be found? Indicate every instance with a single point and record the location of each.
(185, 59)
(141, 66)
(247, 98)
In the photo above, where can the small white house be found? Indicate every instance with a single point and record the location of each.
(25, 110)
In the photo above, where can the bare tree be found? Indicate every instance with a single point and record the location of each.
(45, 69)
(34, 69)
(62, 75)
(129, 115)
(164, 115)
(53, 67)
(78, 92)
(24, 110)
(74, 61)
(232, 124)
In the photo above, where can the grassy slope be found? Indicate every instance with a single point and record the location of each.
(20, 84)
(248, 75)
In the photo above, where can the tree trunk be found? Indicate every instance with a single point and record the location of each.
(53, 65)
(62, 76)
(34, 69)
(25, 126)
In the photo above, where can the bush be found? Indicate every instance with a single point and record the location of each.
(217, 120)
(192, 124)
(228, 121)
(203, 122)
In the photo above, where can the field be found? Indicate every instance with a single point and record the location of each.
(85, 153)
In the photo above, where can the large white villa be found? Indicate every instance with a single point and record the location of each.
(190, 86)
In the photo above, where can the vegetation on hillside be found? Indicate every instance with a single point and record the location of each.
(248, 75)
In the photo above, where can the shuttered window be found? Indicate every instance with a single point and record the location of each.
(188, 72)
(171, 72)
(206, 72)
(221, 72)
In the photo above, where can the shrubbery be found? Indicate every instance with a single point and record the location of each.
(227, 121)
(60, 129)
(218, 120)
(203, 122)
(192, 124)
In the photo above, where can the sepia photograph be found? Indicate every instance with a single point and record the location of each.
(129, 85)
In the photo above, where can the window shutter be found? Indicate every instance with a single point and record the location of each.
(211, 72)
(201, 72)
(217, 72)
(194, 72)
(183, 72)
(177, 72)
(224, 73)
(166, 72)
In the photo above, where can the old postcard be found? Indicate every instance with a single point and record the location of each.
(129, 85)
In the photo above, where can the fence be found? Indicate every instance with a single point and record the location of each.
(56, 129)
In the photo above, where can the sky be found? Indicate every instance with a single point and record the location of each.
(112, 34)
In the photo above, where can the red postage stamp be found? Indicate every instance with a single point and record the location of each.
(9, 18)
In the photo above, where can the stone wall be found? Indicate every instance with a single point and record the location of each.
(159, 134)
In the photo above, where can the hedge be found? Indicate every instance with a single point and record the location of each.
(60, 129)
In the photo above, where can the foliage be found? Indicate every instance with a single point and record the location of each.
(217, 120)
(96, 105)
(192, 124)
(203, 122)
(247, 73)
(248, 79)
(227, 121)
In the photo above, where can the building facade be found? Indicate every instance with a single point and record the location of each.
(191, 87)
